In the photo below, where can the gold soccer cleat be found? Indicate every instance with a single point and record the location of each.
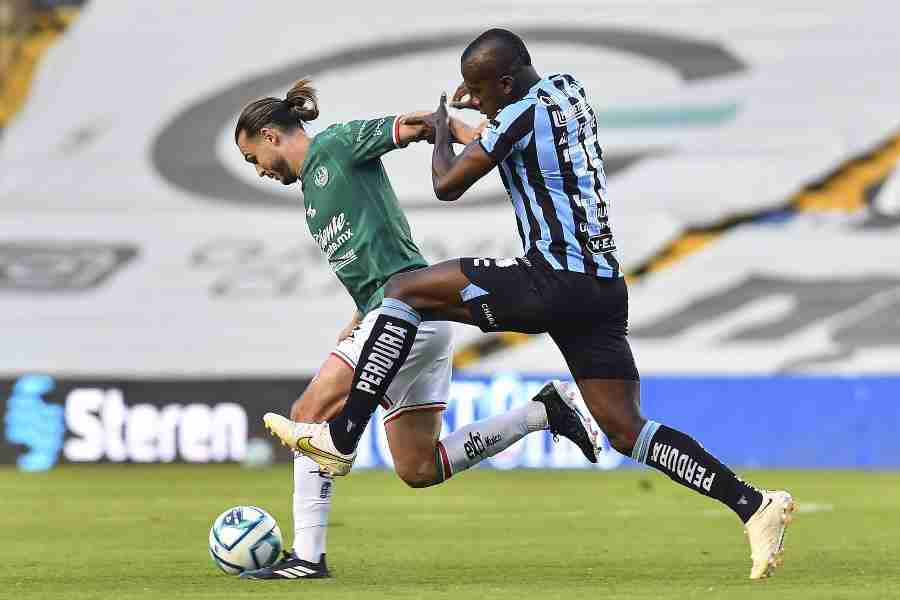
(766, 529)
(312, 440)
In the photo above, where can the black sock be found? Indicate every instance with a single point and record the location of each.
(685, 461)
(382, 355)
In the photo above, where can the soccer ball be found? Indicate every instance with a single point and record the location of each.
(244, 538)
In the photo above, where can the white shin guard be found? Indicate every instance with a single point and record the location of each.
(312, 504)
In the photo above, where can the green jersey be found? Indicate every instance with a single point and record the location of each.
(352, 211)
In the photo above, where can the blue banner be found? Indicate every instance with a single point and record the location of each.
(802, 422)
(771, 422)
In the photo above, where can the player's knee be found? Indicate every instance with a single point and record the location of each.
(417, 474)
(401, 287)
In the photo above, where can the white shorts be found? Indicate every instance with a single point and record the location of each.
(423, 382)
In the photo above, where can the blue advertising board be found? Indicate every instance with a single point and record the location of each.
(773, 422)
(766, 421)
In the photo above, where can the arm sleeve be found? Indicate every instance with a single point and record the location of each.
(372, 138)
(509, 130)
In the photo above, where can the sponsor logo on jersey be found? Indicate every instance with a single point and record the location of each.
(330, 239)
(601, 244)
(339, 262)
(311, 213)
(320, 177)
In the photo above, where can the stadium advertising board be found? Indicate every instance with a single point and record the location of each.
(825, 422)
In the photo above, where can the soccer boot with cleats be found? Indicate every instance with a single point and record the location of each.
(312, 440)
(564, 418)
(291, 567)
(766, 529)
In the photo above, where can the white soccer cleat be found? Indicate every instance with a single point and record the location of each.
(766, 529)
(312, 440)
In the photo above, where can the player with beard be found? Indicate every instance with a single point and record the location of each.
(355, 219)
(542, 139)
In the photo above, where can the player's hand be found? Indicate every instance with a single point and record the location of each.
(462, 98)
(463, 133)
(441, 116)
(347, 331)
(415, 128)
(430, 122)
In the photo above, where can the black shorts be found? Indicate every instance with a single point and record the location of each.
(586, 316)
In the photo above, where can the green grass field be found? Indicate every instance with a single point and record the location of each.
(140, 532)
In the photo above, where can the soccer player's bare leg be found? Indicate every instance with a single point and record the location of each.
(413, 439)
(615, 404)
(435, 291)
(430, 293)
(420, 458)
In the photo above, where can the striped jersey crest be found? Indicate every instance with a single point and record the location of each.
(549, 158)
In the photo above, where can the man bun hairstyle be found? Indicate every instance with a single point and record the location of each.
(303, 100)
(299, 106)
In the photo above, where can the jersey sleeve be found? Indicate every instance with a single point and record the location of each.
(372, 138)
(510, 130)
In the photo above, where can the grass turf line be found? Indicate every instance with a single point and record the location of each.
(122, 532)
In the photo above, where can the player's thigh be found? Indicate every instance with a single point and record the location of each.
(412, 437)
(590, 325)
(325, 396)
(416, 400)
(434, 291)
(423, 381)
(504, 294)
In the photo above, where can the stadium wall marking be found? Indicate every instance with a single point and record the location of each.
(194, 131)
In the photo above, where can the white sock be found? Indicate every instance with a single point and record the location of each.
(312, 503)
(473, 443)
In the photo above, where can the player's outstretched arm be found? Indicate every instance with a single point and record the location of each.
(452, 174)
(413, 127)
(410, 130)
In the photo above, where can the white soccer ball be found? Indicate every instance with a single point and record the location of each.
(244, 538)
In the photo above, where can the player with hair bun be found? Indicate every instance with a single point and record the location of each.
(354, 217)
